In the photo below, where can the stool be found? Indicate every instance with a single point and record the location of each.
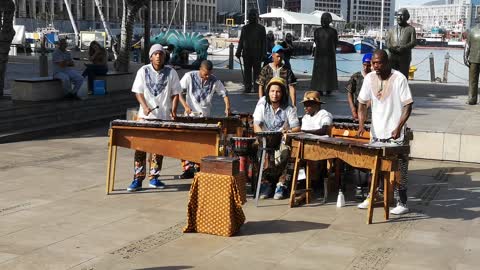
(99, 87)
(270, 141)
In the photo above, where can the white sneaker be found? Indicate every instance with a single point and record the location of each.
(400, 209)
(364, 204)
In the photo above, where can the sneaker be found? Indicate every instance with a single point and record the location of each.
(400, 209)
(364, 204)
(135, 185)
(280, 192)
(265, 191)
(187, 174)
(155, 183)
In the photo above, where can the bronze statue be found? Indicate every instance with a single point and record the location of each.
(471, 57)
(252, 48)
(400, 41)
(324, 75)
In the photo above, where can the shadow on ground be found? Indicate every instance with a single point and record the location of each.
(179, 267)
(279, 226)
(452, 194)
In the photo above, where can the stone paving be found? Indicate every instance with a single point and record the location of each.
(54, 214)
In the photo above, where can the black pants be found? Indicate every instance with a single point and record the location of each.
(93, 70)
(251, 67)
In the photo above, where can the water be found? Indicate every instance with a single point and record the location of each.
(347, 64)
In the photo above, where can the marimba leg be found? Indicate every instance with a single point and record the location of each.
(295, 174)
(109, 163)
(308, 184)
(114, 163)
(373, 186)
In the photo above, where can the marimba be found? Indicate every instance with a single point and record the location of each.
(380, 158)
(189, 141)
(231, 125)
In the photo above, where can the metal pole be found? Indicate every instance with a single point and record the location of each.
(146, 34)
(432, 68)
(185, 17)
(246, 19)
(381, 23)
(260, 172)
(445, 68)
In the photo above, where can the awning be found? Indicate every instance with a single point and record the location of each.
(335, 17)
(298, 18)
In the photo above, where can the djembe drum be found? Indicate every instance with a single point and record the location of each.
(243, 148)
(270, 141)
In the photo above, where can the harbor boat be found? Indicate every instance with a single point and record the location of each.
(365, 45)
(345, 46)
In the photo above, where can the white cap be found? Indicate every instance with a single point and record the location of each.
(155, 48)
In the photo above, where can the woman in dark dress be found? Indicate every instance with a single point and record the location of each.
(98, 58)
(324, 75)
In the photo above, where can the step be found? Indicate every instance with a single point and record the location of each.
(445, 146)
(58, 128)
(85, 111)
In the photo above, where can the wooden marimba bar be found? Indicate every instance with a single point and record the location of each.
(189, 141)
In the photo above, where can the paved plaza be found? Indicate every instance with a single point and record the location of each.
(54, 213)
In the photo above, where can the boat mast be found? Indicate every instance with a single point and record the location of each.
(185, 17)
(107, 29)
(381, 23)
(72, 21)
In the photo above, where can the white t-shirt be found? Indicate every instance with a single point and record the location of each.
(157, 87)
(317, 121)
(388, 99)
(283, 118)
(199, 95)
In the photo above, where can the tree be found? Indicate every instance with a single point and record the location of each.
(130, 10)
(7, 9)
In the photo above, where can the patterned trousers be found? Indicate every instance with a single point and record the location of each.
(140, 161)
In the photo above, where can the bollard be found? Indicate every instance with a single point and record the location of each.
(230, 56)
(445, 68)
(43, 60)
(432, 68)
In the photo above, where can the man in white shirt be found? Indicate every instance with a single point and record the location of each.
(272, 113)
(201, 85)
(315, 120)
(391, 104)
(156, 88)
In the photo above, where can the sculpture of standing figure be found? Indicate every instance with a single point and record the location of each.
(400, 41)
(471, 58)
(7, 9)
(324, 75)
(252, 48)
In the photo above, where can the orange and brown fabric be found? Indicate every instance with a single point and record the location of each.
(215, 204)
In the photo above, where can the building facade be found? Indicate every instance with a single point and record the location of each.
(39, 13)
(369, 12)
(365, 12)
(456, 16)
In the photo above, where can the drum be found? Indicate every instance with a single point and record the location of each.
(242, 146)
(273, 139)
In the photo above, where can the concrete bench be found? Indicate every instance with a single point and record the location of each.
(37, 89)
(116, 81)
